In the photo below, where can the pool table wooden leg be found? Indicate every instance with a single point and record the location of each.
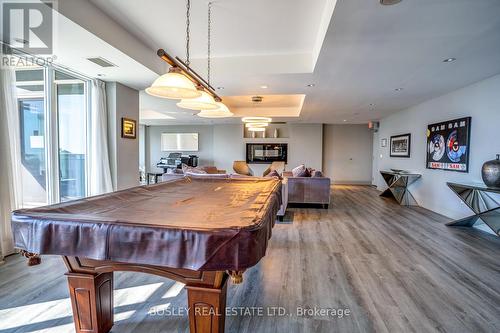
(92, 301)
(207, 308)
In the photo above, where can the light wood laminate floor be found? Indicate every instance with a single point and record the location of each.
(396, 269)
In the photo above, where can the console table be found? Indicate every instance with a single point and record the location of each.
(478, 198)
(398, 183)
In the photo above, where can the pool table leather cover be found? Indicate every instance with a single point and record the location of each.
(192, 223)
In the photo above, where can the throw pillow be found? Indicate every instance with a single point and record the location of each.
(317, 173)
(298, 171)
(273, 173)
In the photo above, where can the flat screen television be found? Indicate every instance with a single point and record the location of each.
(183, 142)
(266, 153)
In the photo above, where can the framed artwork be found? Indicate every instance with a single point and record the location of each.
(383, 143)
(400, 145)
(129, 127)
(448, 145)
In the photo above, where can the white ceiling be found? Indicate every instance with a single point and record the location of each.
(243, 30)
(71, 52)
(367, 51)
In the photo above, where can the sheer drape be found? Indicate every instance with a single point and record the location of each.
(10, 173)
(100, 172)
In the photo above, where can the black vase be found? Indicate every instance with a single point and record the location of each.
(491, 172)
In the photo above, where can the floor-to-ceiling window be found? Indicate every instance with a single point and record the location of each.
(72, 129)
(53, 113)
(32, 122)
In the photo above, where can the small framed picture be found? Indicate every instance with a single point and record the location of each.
(129, 128)
(401, 145)
(383, 143)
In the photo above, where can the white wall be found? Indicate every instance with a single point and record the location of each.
(124, 153)
(481, 101)
(220, 145)
(205, 143)
(305, 146)
(347, 153)
(228, 146)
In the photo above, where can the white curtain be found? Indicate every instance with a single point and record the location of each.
(100, 171)
(10, 158)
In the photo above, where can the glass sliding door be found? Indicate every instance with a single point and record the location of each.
(53, 112)
(72, 135)
(32, 129)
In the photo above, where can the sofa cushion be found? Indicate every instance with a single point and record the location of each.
(207, 175)
(210, 169)
(317, 173)
(192, 170)
(273, 173)
(299, 171)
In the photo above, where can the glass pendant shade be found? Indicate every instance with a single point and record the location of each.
(204, 102)
(248, 125)
(221, 112)
(173, 85)
(214, 114)
(256, 119)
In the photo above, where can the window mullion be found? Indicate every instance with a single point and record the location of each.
(53, 138)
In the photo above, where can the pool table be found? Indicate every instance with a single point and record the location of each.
(200, 231)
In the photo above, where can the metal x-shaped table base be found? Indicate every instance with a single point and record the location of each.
(477, 197)
(398, 187)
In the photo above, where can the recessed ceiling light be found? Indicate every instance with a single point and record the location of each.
(449, 60)
(220, 88)
(398, 89)
(264, 86)
(344, 120)
(310, 85)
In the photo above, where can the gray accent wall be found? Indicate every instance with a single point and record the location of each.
(481, 101)
(122, 101)
(205, 143)
(220, 145)
(347, 154)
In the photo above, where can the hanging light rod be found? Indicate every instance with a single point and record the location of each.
(188, 72)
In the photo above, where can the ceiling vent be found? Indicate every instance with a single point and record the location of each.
(257, 99)
(101, 62)
(389, 2)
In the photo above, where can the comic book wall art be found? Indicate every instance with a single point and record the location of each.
(448, 145)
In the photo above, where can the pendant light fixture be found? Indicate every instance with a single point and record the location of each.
(221, 110)
(175, 85)
(203, 102)
(248, 125)
(256, 119)
(256, 124)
